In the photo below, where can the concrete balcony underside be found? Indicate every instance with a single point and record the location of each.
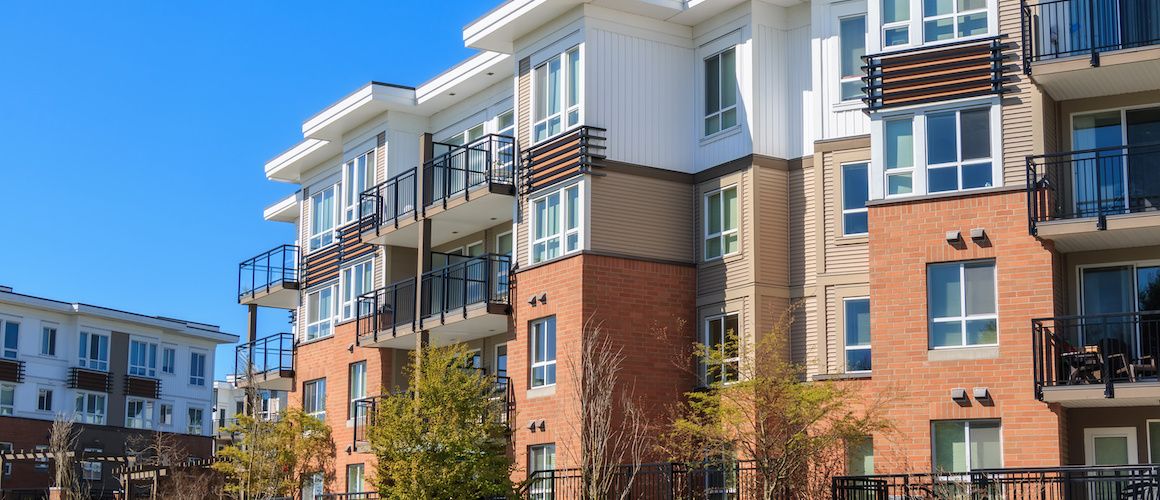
(1120, 72)
(1123, 231)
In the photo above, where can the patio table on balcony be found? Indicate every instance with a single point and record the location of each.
(1084, 367)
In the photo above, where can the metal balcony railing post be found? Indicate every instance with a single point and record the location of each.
(1092, 21)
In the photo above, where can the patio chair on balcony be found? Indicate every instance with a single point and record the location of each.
(1146, 365)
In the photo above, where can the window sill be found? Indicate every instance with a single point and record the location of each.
(721, 135)
(933, 45)
(542, 391)
(967, 353)
(726, 260)
(853, 105)
(842, 376)
(854, 239)
(909, 198)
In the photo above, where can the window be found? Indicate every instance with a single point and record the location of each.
(958, 150)
(721, 91)
(165, 414)
(358, 176)
(544, 352)
(358, 386)
(196, 419)
(315, 487)
(314, 398)
(356, 280)
(855, 193)
(320, 311)
(197, 368)
(556, 105)
(41, 463)
(139, 414)
(556, 228)
(860, 457)
(91, 470)
(7, 399)
(951, 19)
(354, 478)
(899, 156)
(857, 315)
(466, 137)
(721, 235)
(962, 304)
(541, 458)
(895, 22)
(7, 463)
(94, 352)
(169, 360)
(142, 358)
(322, 218)
(966, 445)
(48, 341)
(11, 331)
(852, 46)
(723, 338)
(44, 399)
(91, 407)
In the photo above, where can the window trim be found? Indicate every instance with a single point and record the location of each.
(954, 17)
(844, 79)
(842, 198)
(533, 345)
(563, 231)
(915, 25)
(361, 468)
(565, 79)
(704, 339)
(6, 352)
(846, 347)
(86, 360)
(49, 340)
(721, 110)
(50, 399)
(8, 410)
(706, 235)
(146, 418)
(161, 414)
(166, 361)
(189, 429)
(351, 409)
(334, 223)
(350, 207)
(963, 317)
(195, 379)
(149, 369)
(87, 416)
(967, 437)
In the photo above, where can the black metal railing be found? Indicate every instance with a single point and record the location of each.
(455, 287)
(382, 312)
(1066, 28)
(1093, 183)
(388, 203)
(457, 169)
(1100, 349)
(274, 353)
(276, 267)
(657, 480)
(367, 495)
(1049, 483)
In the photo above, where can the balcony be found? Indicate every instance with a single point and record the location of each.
(468, 188)
(1056, 483)
(388, 212)
(466, 300)
(1096, 199)
(142, 387)
(271, 278)
(266, 363)
(386, 317)
(90, 380)
(574, 152)
(1086, 48)
(1097, 360)
(943, 72)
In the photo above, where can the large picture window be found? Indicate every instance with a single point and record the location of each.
(556, 105)
(557, 218)
(320, 312)
(142, 358)
(323, 217)
(358, 175)
(855, 194)
(962, 304)
(966, 445)
(938, 150)
(721, 221)
(722, 338)
(721, 91)
(543, 337)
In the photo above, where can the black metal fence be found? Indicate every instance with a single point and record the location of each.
(369, 495)
(274, 267)
(474, 280)
(382, 312)
(1067, 28)
(1093, 183)
(659, 481)
(1103, 349)
(274, 353)
(389, 202)
(456, 169)
(1054, 483)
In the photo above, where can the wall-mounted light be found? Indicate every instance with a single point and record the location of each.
(981, 394)
(544, 298)
(959, 395)
(953, 236)
(532, 300)
(978, 234)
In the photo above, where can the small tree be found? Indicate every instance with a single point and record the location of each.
(163, 450)
(792, 431)
(276, 458)
(445, 440)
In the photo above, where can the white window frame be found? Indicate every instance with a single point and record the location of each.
(845, 336)
(161, 420)
(852, 78)
(361, 483)
(145, 420)
(325, 237)
(356, 178)
(8, 409)
(200, 421)
(918, 171)
(350, 276)
(196, 370)
(90, 413)
(541, 457)
(723, 233)
(561, 237)
(85, 358)
(566, 111)
(168, 360)
(323, 326)
(361, 386)
(467, 136)
(5, 351)
(954, 17)
(44, 399)
(317, 405)
(963, 317)
(546, 364)
(842, 198)
(91, 470)
(916, 28)
(705, 341)
(49, 333)
(967, 437)
(706, 114)
(959, 162)
(149, 366)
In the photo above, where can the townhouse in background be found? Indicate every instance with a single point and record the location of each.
(960, 194)
(121, 376)
(230, 402)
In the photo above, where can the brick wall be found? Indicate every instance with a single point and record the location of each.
(904, 238)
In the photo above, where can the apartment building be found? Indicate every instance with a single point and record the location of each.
(230, 402)
(120, 376)
(938, 184)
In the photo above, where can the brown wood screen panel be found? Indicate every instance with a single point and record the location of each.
(929, 74)
(89, 380)
(11, 370)
(569, 154)
(323, 265)
(142, 387)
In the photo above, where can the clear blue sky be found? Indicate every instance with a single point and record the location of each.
(133, 134)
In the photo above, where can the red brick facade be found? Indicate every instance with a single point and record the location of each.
(907, 236)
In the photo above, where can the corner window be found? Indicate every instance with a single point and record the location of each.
(951, 19)
(169, 360)
(358, 175)
(722, 337)
(7, 399)
(197, 368)
(139, 414)
(541, 458)
(721, 91)
(857, 326)
(11, 332)
(855, 193)
(44, 399)
(958, 150)
(543, 338)
(90, 407)
(320, 312)
(323, 215)
(851, 47)
(356, 280)
(966, 445)
(721, 234)
(314, 398)
(962, 303)
(358, 388)
(94, 351)
(556, 103)
(556, 224)
(142, 358)
(195, 422)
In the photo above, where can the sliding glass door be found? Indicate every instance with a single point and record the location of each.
(1116, 162)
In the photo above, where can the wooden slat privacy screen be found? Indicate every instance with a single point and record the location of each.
(572, 153)
(323, 265)
(929, 74)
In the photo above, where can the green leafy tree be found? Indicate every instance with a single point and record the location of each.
(794, 434)
(276, 458)
(446, 439)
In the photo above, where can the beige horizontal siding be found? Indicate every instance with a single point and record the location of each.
(802, 227)
(641, 216)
